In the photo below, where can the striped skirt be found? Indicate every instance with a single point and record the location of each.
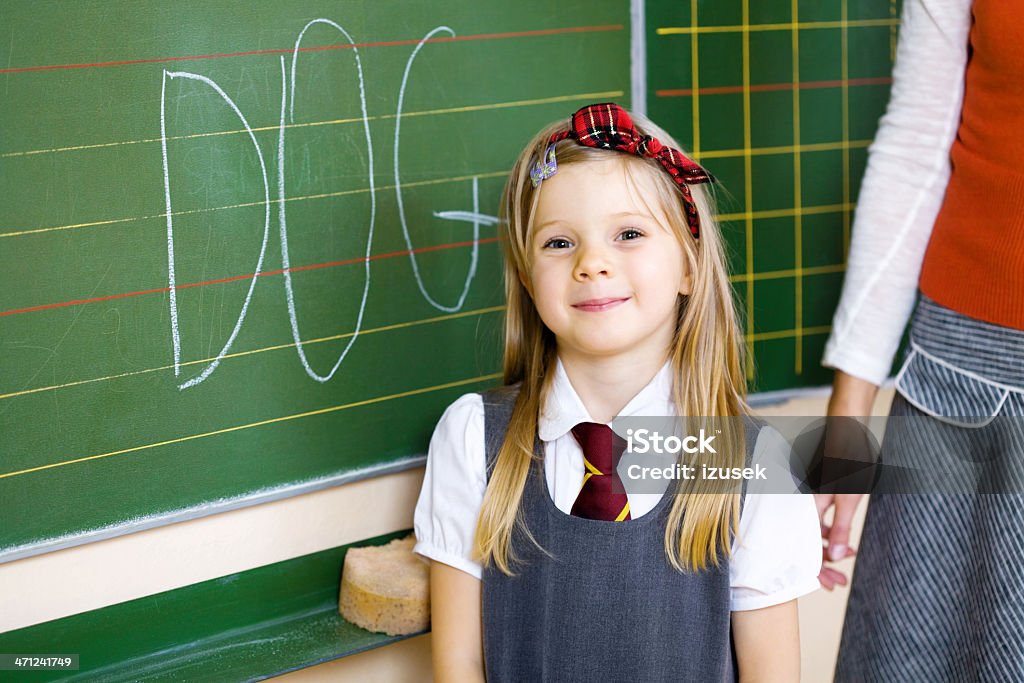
(938, 588)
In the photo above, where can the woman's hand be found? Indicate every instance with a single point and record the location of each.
(851, 397)
(837, 536)
(455, 624)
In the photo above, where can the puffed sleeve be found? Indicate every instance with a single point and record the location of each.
(777, 553)
(904, 184)
(453, 487)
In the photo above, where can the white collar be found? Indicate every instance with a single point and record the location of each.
(563, 409)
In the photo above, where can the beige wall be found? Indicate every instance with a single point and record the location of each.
(70, 581)
(66, 582)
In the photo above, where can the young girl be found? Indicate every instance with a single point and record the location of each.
(619, 304)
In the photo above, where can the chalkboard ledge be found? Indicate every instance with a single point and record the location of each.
(244, 627)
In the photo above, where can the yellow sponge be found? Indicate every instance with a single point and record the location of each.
(386, 588)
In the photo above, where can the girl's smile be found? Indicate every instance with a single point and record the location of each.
(600, 304)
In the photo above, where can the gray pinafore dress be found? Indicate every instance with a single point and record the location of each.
(938, 588)
(608, 607)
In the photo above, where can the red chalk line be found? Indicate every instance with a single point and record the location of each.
(387, 43)
(330, 264)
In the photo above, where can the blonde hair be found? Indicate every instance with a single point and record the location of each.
(706, 356)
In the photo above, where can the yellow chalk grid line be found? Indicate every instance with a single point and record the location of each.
(798, 346)
(227, 430)
(786, 149)
(784, 213)
(746, 27)
(788, 273)
(845, 91)
(786, 334)
(893, 30)
(383, 117)
(239, 354)
(695, 80)
(326, 195)
(748, 183)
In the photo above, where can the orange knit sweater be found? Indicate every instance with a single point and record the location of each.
(975, 258)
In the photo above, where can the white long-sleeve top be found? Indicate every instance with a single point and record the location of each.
(904, 184)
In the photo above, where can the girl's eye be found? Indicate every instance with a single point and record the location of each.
(630, 234)
(557, 243)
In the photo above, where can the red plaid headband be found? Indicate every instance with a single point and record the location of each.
(608, 126)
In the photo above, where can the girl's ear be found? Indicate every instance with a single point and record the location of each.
(686, 284)
(526, 283)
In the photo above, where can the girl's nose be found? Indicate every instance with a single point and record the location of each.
(591, 261)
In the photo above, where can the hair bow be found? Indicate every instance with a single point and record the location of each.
(608, 126)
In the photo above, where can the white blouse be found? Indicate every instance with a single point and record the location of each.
(904, 184)
(777, 554)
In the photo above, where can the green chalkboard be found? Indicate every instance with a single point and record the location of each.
(779, 99)
(248, 249)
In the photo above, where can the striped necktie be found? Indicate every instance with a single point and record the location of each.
(597, 498)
